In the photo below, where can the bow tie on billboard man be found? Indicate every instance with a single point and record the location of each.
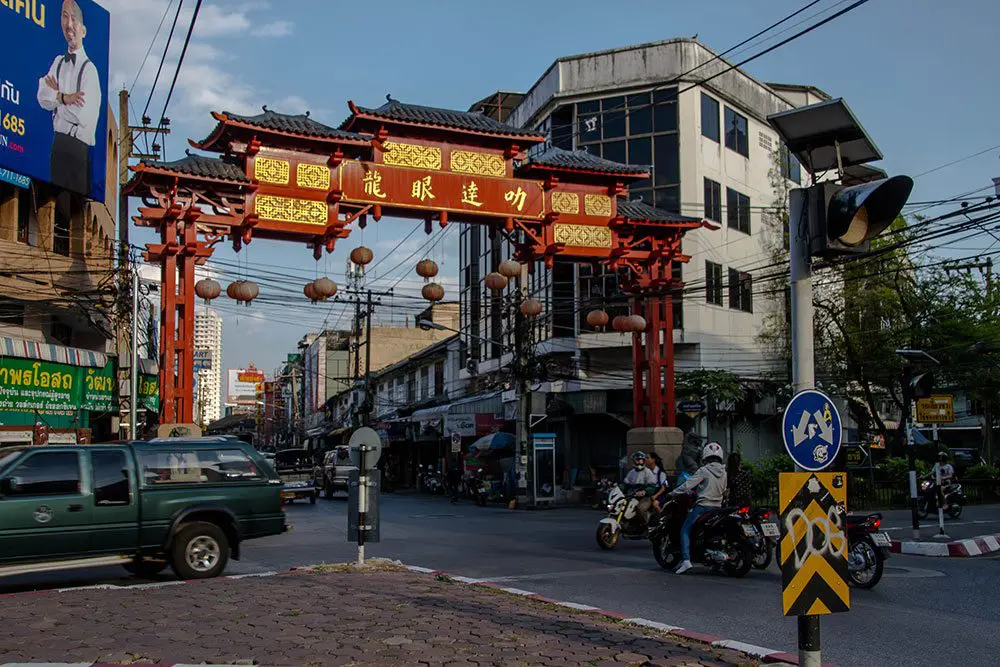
(71, 90)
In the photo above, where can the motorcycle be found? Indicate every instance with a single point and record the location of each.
(623, 520)
(928, 500)
(867, 549)
(767, 534)
(482, 488)
(720, 538)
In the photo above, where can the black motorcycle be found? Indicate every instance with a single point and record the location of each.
(764, 543)
(928, 500)
(867, 549)
(720, 538)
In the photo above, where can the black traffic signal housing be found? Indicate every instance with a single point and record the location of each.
(844, 219)
(922, 385)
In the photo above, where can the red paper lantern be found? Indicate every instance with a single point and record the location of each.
(597, 318)
(636, 323)
(620, 323)
(310, 291)
(531, 307)
(509, 268)
(207, 289)
(362, 255)
(324, 287)
(243, 291)
(432, 292)
(496, 281)
(427, 268)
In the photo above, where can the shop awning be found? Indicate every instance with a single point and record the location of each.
(29, 349)
(430, 414)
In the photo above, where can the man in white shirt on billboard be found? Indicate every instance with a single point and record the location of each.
(71, 90)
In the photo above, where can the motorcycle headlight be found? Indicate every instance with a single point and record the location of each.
(925, 485)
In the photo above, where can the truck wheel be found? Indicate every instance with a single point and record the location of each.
(199, 551)
(144, 568)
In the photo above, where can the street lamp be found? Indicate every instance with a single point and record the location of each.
(427, 325)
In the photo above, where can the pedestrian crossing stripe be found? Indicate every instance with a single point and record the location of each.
(813, 545)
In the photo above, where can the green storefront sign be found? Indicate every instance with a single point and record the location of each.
(149, 392)
(31, 388)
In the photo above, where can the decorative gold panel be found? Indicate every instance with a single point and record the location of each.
(286, 209)
(597, 205)
(566, 202)
(269, 170)
(484, 164)
(587, 236)
(412, 155)
(315, 176)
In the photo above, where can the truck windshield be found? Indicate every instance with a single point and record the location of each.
(8, 454)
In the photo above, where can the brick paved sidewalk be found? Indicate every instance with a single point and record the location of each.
(338, 618)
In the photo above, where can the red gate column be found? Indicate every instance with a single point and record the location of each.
(185, 322)
(168, 325)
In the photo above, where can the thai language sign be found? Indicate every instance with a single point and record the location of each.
(48, 388)
(53, 92)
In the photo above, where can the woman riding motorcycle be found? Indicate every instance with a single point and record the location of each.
(709, 482)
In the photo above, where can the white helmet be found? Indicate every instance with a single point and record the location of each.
(710, 450)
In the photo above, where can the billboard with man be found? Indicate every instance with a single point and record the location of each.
(53, 91)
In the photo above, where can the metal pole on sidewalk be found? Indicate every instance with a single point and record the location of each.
(803, 363)
(911, 454)
(134, 357)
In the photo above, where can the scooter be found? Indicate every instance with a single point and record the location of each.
(482, 488)
(721, 538)
(623, 519)
(928, 500)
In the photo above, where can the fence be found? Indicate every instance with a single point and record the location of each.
(863, 495)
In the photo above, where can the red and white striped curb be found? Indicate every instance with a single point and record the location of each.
(765, 655)
(974, 546)
(108, 664)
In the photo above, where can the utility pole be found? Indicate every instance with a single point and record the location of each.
(134, 358)
(367, 404)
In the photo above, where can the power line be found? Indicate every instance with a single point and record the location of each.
(163, 58)
(180, 60)
(152, 42)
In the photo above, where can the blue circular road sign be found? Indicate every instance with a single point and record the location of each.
(812, 430)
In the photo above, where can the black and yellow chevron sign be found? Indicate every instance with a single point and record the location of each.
(813, 543)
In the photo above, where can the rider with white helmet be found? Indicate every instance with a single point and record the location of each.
(709, 482)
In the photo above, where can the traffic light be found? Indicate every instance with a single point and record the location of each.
(922, 385)
(843, 219)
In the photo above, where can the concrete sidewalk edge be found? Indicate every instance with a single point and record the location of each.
(973, 546)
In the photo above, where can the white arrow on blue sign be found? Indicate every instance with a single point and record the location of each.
(812, 430)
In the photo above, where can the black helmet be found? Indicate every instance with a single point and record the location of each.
(942, 456)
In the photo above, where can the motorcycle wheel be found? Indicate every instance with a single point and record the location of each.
(762, 557)
(923, 508)
(666, 556)
(870, 576)
(607, 537)
(744, 561)
(954, 510)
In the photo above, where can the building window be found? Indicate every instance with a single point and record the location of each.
(740, 291)
(713, 200)
(411, 388)
(737, 211)
(425, 382)
(439, 378)
(713, 283)
(25, 209)
(736, 133)
(710, 117)
(790, 167)
(61, 333)
(11, 312)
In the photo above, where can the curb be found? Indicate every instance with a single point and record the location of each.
(974, 546)
(765, 655)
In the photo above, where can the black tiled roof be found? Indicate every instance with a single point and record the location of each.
(206, 167)
(449, 118)
(640, 210)
(295, 124)
(557, 158)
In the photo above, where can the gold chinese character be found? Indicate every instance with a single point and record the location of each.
(373, 184)
(470, 194)
(516, 198)
(422, 188)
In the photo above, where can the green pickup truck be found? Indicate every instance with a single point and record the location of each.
(184, 502)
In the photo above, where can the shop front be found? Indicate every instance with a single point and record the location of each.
(54, 394)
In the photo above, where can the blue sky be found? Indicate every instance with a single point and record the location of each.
(919, 74)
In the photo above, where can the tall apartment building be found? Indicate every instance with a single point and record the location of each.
(208, 345)
(712, 155)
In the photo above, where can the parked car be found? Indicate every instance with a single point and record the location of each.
(334, 474)
(297, 472)
(188, 503)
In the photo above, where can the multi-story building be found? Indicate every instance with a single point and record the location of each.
(56, 291)
(701, 128)
(208, 354)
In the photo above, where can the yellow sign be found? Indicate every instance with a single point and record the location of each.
(936, 409)
(813, 551)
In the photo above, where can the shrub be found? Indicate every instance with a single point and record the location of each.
(765, 473)
(982, 471)
(897, 469)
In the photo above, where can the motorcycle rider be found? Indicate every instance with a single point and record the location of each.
(655, 464)
(709, 482)
(642, 481)
(947, 476)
